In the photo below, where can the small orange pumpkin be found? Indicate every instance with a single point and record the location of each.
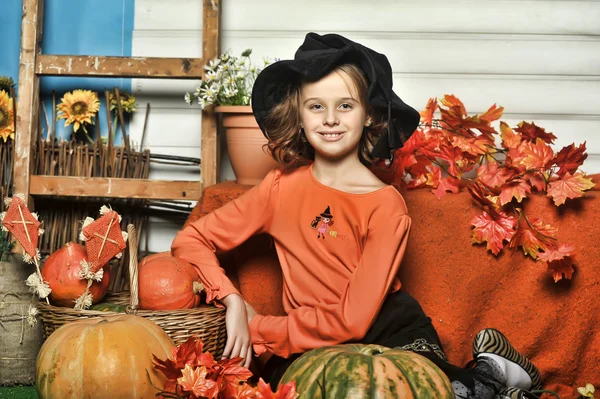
(104, 357)
(168, 283)
(61, 271)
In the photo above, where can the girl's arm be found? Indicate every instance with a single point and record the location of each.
(224, 229)
(306, 328)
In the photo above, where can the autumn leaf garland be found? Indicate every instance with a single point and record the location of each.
(192, 374)
(456, 151)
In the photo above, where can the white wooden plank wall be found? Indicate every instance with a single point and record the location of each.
(540, 59)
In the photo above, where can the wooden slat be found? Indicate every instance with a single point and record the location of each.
(28, 99)
(126, 67)
(73, 186)
(211, 15)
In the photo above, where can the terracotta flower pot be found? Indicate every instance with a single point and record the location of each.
(246, 145)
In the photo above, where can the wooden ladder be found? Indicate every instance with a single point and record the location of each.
(34, 64)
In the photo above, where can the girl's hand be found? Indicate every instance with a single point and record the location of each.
(250, 312)
(238, 334)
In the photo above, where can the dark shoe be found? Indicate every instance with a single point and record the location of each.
(493, 341)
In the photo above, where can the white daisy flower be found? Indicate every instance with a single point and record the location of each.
(212, 64)
(230, 92)
(210, 76)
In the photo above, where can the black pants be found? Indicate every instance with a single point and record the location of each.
(401, 323)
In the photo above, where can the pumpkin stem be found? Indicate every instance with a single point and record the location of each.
(198, 287)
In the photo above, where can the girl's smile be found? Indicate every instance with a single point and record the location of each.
(332, 136)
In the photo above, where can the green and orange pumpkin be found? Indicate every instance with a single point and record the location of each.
(367, 371)
(61, 271)
(108, 357)
(168, 283)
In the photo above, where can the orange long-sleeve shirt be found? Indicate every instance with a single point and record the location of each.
(339, 255)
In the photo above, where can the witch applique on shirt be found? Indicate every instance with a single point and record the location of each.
(326, 221)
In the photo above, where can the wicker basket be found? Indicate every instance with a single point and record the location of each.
(208, 322)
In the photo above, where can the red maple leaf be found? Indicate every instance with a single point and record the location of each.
(570, 158)
(286, 391)
(531, 132)
(427, 113)
(556, 253)
(494, 231)
(561, 268)
(455, 158)
(570, 186)
(167, 367)
(533, 235)
(559, 261)
(187, 352)
(446, 184)
(492, 175)
(509, 138)
(516, 188)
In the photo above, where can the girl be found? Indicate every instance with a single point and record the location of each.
(328, 114)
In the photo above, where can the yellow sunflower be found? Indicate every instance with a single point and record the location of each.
(78, 107)
(7, 123)
(127, 102)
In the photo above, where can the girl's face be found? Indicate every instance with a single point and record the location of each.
(332, 115)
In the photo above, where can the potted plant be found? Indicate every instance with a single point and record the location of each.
(228, 84)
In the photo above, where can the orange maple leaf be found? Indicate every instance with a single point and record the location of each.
(286, 391)
(531, 132)
(245, 391)
(570, 186)
(492, 114)
(232, 372)
(509, 138)
(537, 180)
(561, 268)
(517, 188)
(493, 230)
(482, 195)
(456, 107)
(427, 113)
(570, 158)
(492, 175)
(194, 381)
(446, 184)
(533, 236)
(534, 156)
(474, 146)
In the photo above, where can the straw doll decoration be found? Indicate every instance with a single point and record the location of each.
(104, 240)
(26, 229)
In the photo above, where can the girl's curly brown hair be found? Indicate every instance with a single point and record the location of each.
(287, 142)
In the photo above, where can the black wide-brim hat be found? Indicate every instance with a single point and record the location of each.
(318, 56)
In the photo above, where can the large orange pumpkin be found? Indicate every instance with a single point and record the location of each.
(102, 358)
(355, 371)
(168, 283)
(61, 271)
